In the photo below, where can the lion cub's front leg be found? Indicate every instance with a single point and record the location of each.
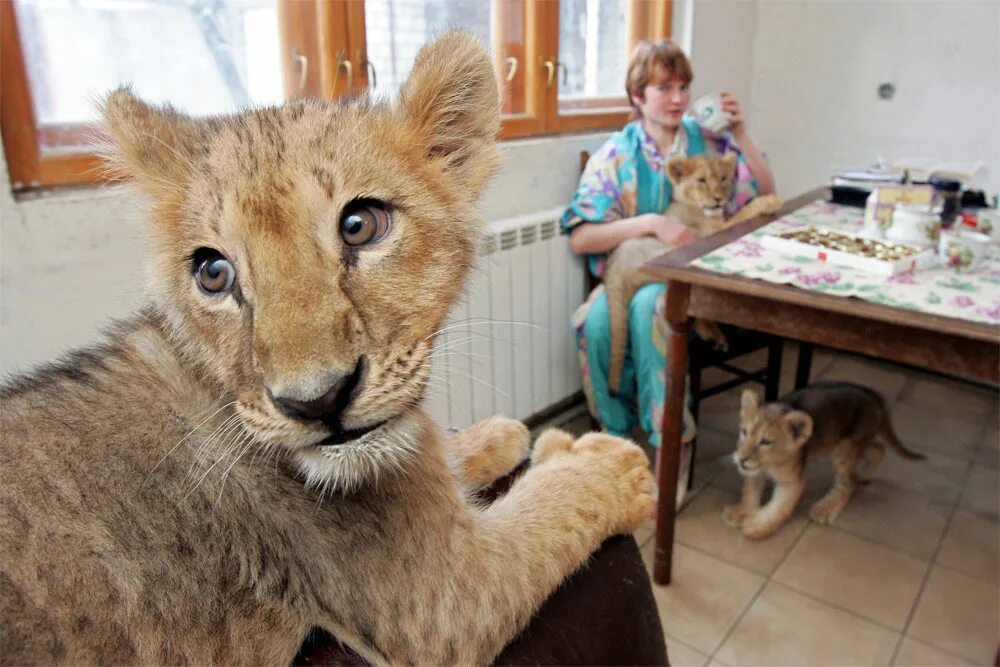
(753, 487)
(479, 587)
(772, 516)
(488, 450)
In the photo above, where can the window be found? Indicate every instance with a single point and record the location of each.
(561, 64)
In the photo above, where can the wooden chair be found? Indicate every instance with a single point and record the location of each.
(742, 342)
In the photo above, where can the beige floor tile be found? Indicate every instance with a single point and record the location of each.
(682, 655)
(712, 456)
(705, 597)
(988, 454)
(713, 445)
(644, 532)
(721, 412)
(927, 432)
(728, 478)
(937, 477)
(854, 574)
(950, 397)
(982, 493)
(886, 379)
(972, 545)
(700, 525)
(753, 361)
(958, 614)
(896, 518)
(784, 627)
(916, 654)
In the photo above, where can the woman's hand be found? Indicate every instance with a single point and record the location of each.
(737, 121)
(670, 231)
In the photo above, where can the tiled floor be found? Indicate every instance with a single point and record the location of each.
(908, 575)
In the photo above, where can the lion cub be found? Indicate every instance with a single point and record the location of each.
(248, 457)
(701, 187)
(846, 420)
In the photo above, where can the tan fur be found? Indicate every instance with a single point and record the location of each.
(699, 183)
(847, 421)
(155, 505)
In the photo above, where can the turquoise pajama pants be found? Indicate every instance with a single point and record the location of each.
(641, 394)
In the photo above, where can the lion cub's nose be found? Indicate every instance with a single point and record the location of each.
(330, 405)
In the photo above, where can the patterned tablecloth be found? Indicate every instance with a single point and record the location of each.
(939, 290)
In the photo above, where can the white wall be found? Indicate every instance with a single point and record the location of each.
(722, 34)
(816, 67)
(70, 261)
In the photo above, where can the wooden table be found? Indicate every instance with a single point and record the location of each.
(947, 345)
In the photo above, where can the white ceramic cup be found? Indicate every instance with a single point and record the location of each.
(707, 112)
(916, 225)
(962, 250)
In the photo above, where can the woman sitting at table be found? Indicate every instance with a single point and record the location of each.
(622, 194)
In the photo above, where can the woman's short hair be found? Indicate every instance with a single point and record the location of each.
(655, 60)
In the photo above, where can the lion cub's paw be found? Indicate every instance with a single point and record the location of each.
(734, 515)
(756, 529)
(626, 467)
(825, 511)
(495, 447)
(508, 443)
(551, 442)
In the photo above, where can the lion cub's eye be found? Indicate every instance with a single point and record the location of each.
(703, 181)
(743, 432)
(766, 442)
(364, 221)
(213, 272)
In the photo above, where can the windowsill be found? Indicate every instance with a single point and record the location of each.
(82, 191)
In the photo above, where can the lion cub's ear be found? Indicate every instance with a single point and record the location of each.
(452, 101)
(678, 168)
(153, 146)
(728, 162)
(749, 402)
(798, 425)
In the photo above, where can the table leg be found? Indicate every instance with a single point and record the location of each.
(804, 368)
(672, 429)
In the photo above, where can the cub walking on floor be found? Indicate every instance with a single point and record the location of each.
(849, 421)
(702, 186)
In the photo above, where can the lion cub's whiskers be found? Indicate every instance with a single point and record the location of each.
(189, 433)
(462, 373)
(484, 320)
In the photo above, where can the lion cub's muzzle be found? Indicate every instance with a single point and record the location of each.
(330, 406)
(742, 467)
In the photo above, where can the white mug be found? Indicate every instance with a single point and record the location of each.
(708, 113)
(962, 250)
(916, 225)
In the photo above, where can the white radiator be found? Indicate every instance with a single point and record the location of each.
(508, 347)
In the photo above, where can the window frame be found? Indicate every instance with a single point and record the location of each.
(327, 39)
